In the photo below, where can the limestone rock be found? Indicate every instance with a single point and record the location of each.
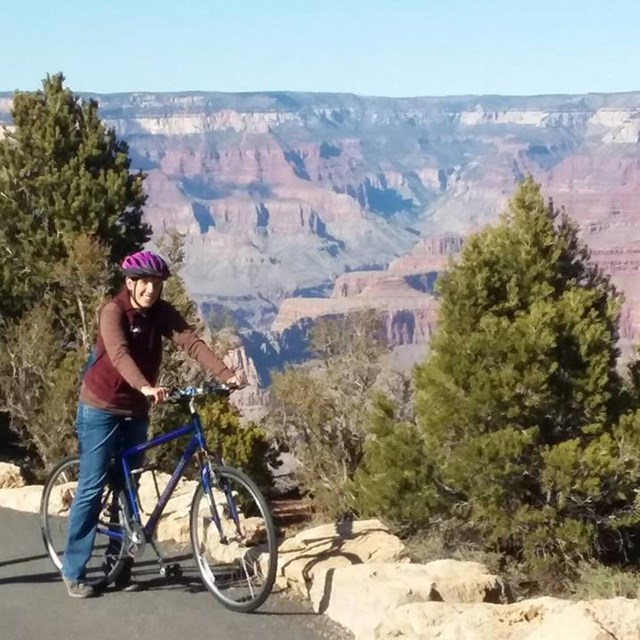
(10, 476)
(361, 597)
(619, 615)
(573, 622)
(329, 546)
(535, 619)
(61, 499)
(456, 581)
(22, 499)
(461, 621)
(148, 496)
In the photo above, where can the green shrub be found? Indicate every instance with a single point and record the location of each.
(597, 581)
(319, 410)
(393, 480)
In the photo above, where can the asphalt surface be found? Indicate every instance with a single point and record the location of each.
(34, 602)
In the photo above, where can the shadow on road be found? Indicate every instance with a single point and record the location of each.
(6, 563)
(277, 614)
(34, 578)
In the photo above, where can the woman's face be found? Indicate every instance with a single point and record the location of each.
(144, 292)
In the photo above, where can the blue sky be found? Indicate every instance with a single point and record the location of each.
(402, 48)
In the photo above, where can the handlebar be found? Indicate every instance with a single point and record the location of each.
(207, 389)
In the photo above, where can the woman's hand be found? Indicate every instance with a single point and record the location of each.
(159, 394)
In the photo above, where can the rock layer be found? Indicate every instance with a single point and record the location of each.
(278, 192)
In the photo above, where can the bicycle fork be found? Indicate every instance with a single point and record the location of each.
(209, 481)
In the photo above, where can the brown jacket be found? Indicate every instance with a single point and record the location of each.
(128, 354)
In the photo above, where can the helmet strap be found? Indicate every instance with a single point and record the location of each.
(134, 295)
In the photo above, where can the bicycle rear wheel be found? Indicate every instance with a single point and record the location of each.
(107, 559)
(234, 540)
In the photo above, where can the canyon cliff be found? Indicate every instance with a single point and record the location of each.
(299, 205)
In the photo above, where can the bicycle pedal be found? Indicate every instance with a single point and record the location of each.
(171, 570)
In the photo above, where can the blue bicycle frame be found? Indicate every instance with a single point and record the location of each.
(197, 443)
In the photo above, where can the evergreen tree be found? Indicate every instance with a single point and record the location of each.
(70, 209)
(519, 400)
(62, 174)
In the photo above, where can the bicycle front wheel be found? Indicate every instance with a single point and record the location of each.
(234, 540)
(107, 558)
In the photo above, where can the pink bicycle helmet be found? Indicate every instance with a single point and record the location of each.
(145, 264)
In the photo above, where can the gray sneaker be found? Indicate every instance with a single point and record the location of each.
(79, 588)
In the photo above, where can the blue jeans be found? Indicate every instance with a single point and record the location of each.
(100, 435)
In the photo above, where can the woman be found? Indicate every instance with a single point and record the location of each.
(118, 382)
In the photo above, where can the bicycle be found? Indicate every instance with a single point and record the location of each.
(231, 529)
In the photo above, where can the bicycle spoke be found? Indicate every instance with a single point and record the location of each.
(238, 566)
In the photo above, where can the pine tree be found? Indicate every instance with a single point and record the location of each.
(70, 209)
(519, 400)
(62, 174)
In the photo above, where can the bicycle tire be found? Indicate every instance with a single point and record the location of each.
(113, 563)
(253, 556)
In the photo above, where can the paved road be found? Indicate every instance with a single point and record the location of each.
(34, 604)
